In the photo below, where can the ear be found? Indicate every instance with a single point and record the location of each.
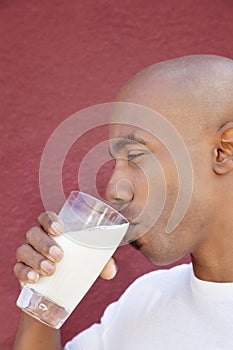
(223, 152)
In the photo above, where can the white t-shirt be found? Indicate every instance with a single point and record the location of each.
(165, 310)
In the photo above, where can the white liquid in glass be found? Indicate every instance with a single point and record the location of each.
(86, 253)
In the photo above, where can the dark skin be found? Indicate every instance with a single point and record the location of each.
(195, 94)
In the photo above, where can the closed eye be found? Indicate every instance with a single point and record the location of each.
(134, 154)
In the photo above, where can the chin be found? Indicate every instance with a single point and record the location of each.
(158, 258)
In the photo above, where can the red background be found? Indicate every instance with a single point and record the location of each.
(56, 58)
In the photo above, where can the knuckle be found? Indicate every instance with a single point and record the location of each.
(31, 232)
(18, 272)
(43, 218)
(40, 216)
(18, 252)
(15, 269)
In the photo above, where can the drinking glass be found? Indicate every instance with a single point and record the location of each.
(93, 230)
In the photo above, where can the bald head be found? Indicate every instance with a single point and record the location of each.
(196, 89)
(194, 93)
(193, 98)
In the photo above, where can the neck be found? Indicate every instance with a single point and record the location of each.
(214, 262)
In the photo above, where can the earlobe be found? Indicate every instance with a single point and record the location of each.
(223, 152)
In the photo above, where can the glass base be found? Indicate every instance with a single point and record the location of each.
(42, 308)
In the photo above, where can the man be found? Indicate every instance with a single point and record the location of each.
(189, 306)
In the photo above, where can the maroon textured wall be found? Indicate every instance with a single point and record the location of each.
(56, 58)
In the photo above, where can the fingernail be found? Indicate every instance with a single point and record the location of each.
(57, 227)
(32, 276)
(47, 267)
(55, 252)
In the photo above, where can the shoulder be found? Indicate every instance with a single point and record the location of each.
(149, 292)
(160, 282)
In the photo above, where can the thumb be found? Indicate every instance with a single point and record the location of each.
(110, 270)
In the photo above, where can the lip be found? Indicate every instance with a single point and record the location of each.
(130, 236)
(126, 211)
(129, 218)
(131, 223)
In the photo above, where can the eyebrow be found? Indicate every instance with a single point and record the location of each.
(130, 139)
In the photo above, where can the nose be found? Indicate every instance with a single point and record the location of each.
(119, 189)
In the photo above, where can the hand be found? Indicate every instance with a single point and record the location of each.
(40, 253)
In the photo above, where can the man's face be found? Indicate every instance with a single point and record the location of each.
(144, 184)
(193, 102)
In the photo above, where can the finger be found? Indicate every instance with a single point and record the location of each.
(25, 274)
(44, 244)
(51, 223)
(110, 270)
(27, 255)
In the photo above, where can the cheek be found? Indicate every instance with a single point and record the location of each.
(150, 191)
(153, 178)
(140, 183)
(163, 191)
(165, 177)
(146, 198)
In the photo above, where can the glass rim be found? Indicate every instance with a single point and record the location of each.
(99, 201)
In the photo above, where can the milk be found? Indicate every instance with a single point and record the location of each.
(86, 252)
